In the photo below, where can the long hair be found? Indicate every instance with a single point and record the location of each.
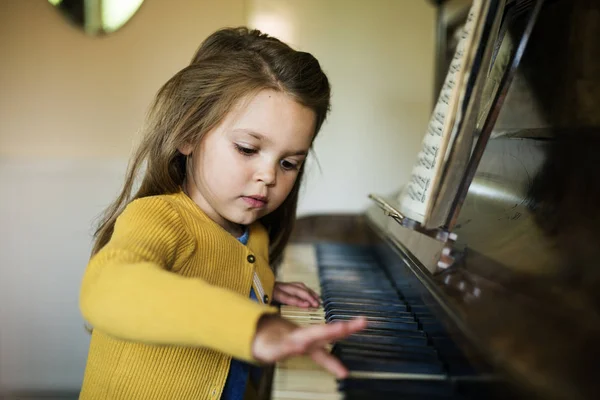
(229, 65)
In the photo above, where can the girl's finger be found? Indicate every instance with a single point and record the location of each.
(329, 362)
(328, 332)
(315, 295)
(298, 284)
(312, 292)
(299, 292)
(292, 300)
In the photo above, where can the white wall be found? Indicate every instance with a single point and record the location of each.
(46, 210)
(70, 106)
(379, 58)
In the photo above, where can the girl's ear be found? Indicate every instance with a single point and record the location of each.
(186, 149)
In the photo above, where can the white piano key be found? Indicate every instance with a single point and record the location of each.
(300, 378)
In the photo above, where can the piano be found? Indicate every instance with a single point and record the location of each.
(503, 299)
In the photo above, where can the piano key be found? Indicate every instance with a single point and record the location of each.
(355, 313)
(387, 326)
(400, 340)
(366, 304)
(385, 365)
(401, 387)
(360, 294)
(387, 354)
(345, 316)
(388, 347)
(403, 341)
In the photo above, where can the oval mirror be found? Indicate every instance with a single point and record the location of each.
(98, 17)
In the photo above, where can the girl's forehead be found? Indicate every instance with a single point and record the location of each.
(269, 113)
(263, 99)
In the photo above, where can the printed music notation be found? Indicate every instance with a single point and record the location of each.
(426, 162)
(435, 129)
(415, 194)
(430, 150)
(439, 117)
(418, 180)
(418, 183)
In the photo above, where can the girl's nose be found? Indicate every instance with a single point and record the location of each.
(267, 174)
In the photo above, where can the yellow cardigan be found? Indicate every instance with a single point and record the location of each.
(168, 300)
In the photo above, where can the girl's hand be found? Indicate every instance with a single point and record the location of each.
(295, 294)
(277, 339)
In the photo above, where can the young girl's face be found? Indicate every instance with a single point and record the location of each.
(245, 167)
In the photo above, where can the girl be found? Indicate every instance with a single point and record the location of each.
(167, 287)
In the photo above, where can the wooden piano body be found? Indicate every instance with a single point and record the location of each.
(521, 298)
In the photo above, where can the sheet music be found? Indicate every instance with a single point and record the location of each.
(458, 154)
(415, 200)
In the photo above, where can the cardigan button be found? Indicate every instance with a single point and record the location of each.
(251, 259)
(266, 299)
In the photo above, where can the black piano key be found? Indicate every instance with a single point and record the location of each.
(350, 269)
(354, 313)
(355, 308)
(425, 388)
(381, 288)
(360, 296)
(388, 326)
(370, 305)
(398, 340)
(366, 310)
(370, 290)
(355, 284)
(354, 278)
(388, 347)
(343, 352)
(366, 264)
(392, 366)
(402, 336)
(351, 284)
(341, 316)
(358, 299)
(363, 290)
(346, 272)
(342, 248)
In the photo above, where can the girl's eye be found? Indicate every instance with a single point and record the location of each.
(245, 150)
(288, 165)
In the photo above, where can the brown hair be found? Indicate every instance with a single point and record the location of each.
(230, 64)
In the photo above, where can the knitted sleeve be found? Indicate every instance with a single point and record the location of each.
(129, 292)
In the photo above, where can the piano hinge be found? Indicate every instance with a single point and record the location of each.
(446, 259)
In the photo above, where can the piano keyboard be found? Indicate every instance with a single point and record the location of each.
(404, 352)
(300, 378)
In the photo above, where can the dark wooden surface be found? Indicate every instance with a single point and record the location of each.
(347, 228)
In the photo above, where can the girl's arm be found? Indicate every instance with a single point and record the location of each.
(129, 292)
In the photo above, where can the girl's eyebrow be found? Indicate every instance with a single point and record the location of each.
(262, 137)
(299, 153)
(250, 132)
